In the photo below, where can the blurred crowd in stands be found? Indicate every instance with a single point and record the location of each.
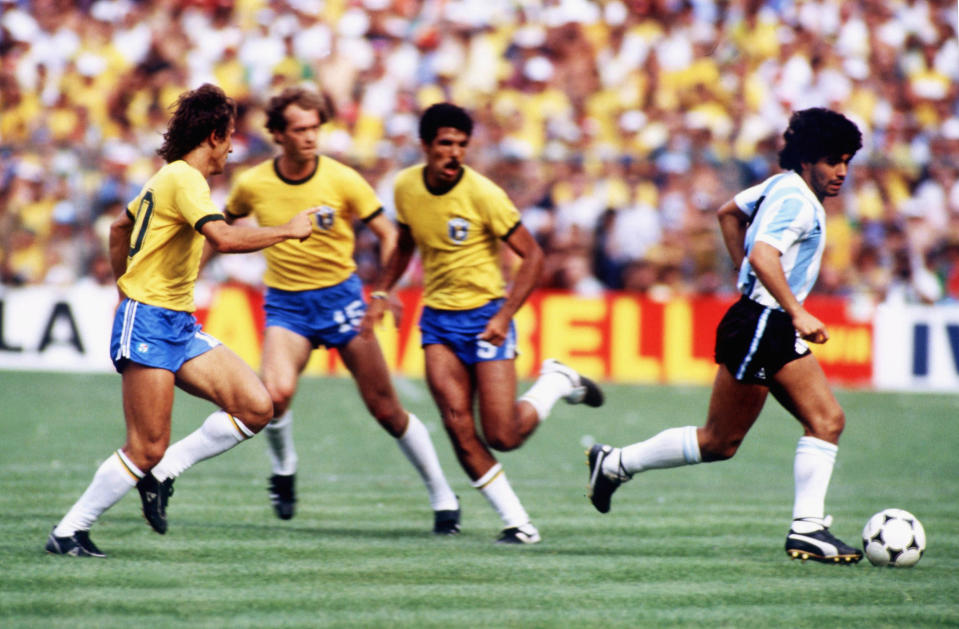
(618, 127)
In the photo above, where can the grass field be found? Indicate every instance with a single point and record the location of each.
(694, 547)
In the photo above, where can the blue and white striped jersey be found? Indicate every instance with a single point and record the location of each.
(787, 215)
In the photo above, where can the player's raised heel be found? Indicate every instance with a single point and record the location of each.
(154, 497)
(600, 487)
(283, 495)
(819, 544)
(585, 391)
(523, 534)
(77, 545)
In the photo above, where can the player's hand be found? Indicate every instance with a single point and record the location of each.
(496, 330)
(396, 307)
(810, 328)
(301, 225)
(373, 315)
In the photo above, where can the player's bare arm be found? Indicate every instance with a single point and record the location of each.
(765, 260)
(525, 280)
(386, 233)
(733, 223)
(119, 244)
(393, 270)
(227, 238)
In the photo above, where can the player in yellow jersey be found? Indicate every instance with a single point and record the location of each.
(457, 219)
(314, 296)
(155, 249)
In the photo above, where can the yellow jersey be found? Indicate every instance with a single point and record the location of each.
(458, 234)
(326, 257)
(166, 243)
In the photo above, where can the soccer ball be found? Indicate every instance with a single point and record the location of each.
(893, 537)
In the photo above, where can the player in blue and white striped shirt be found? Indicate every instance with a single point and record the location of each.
(776, 234)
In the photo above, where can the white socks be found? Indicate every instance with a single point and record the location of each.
(546, 391)
(418, 448)
(494, 486)
(112, 480)
(812, 469)
(672, 447)
(279, 436)
(220, 432)
(415, 444)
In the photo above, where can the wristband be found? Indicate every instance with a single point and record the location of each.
(379, 294)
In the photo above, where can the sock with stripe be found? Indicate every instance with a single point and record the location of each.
(812, 469)
(220, 432)
(112, 480)
(279, 437)
(672, 447)
(418, 448)
(496, 489)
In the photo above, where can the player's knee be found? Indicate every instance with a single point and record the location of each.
(149, 454)
(718, 447)
(830, 426)
(281, 397)
(503, 441)
(257, 410)
(460, 428)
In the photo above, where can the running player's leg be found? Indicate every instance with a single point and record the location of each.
(364, 358)
(147, 403)
(285, 354)
(558, 381)
(147, 344)
(506, 421)
(222, 377)
(452, 386)
(801, 387)
(733, 409)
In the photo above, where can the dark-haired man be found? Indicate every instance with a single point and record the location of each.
(314, 296)
(457, 218)
(157, 344)
(775, 233)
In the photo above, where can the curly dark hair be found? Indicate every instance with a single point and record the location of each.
(817, 133)
(444, 115)
(301, 97)
(197, 114)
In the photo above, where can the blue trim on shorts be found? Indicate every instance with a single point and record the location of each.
(458, 329)
(156, 337)
(325, 316)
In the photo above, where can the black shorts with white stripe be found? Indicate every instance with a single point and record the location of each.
(754, 342)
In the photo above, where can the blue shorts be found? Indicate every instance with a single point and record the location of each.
(325, 316)
(458, 329)
(156, 337)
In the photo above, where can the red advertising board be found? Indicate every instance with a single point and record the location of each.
(617, 337)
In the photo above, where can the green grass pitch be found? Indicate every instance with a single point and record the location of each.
(694, 547)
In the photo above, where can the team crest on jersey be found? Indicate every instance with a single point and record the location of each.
(458, 229)
(325, 216)
(143, 348)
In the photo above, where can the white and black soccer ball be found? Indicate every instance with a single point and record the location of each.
(894, 537)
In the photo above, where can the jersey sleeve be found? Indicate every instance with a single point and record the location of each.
(238, 201)
(193, 199)
(399, 198)
(749, 199)
(502, 215)
(362, 198)
(785, 223)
